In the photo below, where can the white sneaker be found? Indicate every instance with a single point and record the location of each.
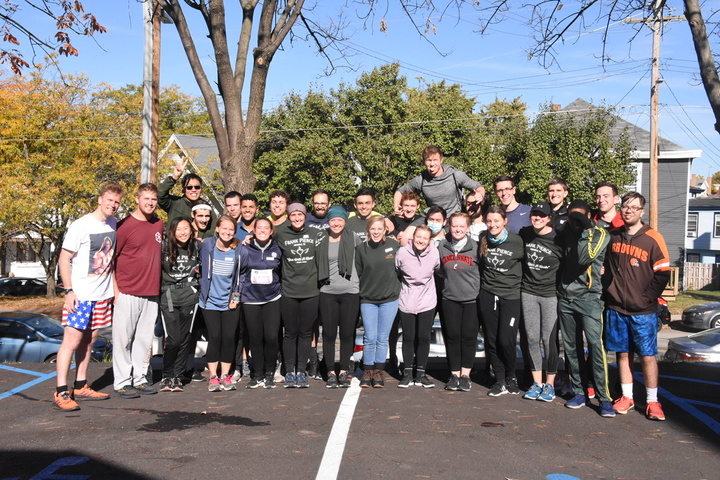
(236, 377)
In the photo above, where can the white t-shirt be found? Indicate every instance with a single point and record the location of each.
(476, 229)
(91, 266)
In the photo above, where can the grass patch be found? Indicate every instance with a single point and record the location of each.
(692, 297)
(48, 306)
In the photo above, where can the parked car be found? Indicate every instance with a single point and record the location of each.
(699, 347)
(24, 287)
(35, 337)
(702, 316)
(437, 344)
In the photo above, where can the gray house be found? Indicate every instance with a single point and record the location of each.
(674, 164)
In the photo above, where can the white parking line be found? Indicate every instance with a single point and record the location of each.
(332, 457)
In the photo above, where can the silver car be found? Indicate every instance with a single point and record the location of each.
(702, 316)
(698, 347)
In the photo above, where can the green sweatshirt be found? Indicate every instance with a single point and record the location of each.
(375, 263)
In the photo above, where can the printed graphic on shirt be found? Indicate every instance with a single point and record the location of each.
(223, 265)
(102, 250)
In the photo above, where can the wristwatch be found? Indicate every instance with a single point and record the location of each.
(67, 290)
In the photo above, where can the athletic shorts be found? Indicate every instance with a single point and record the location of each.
(631, 333)
(89, 315)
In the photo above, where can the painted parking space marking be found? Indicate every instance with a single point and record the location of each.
(694, 380)
(685, 404)
(335, 446)
(42, 377)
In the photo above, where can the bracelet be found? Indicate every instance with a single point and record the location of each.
(67, 290)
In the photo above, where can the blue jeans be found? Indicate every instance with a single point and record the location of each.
(377, 320)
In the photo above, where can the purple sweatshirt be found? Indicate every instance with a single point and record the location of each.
(416, 272)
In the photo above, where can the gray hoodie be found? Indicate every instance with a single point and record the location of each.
(461, 271)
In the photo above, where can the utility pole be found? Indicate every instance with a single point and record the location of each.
(656, 24)
(152, 17)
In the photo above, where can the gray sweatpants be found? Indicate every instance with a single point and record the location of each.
(540, 318)
(132, 334)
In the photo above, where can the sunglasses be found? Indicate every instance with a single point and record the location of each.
(193, 187)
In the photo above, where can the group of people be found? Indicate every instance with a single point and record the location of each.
(263, 285)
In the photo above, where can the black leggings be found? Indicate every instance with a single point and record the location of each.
(221, 327)
(501, 319)
(460, 325)
(177, 339)
(298, 315)
(417, 329)
(263, 325)
(339, 310)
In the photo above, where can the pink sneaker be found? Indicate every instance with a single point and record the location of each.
(214, 384)
(226, 383)
(623, 405)
(654, 411)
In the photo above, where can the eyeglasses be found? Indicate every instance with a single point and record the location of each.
(193, 187)
(631, 208)
(504, 190)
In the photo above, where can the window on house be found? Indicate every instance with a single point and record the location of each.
(716, 232)
(692, 225)
(693, 257)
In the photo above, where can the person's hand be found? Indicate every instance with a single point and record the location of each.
(581, 219)
(398, 209)
(71, 302)
(479, 195)
(180, 168)
(233, 305)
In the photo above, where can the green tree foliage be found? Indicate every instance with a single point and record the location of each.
(372, 134)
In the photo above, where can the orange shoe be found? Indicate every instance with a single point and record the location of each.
(87, 393)
(590, 392)
(654, 411)
(63, 401)
(623, 405)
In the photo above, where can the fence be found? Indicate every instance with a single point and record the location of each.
(701, 276)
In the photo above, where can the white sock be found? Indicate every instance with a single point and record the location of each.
(627, 390)
(652, 394)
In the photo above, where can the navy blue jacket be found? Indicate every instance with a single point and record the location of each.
(253, 257)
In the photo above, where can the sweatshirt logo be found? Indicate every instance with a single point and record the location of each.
(634, 262)
(631, 250)
(535, 257)
(300, 251)
(495, 261)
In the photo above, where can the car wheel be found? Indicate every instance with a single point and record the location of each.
(715, 322)
(51, 359)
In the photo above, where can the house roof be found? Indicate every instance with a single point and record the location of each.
(710, 202)
(202, 150)
(639, 138)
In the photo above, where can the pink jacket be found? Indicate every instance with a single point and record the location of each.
(416, 273)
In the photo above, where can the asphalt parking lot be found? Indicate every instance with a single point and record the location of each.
(353, 433)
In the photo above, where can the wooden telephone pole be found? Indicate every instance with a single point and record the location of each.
(656, 24)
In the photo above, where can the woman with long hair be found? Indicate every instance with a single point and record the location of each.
(260, 261)
(417, 262)
(379, 292)
(178, 299)
(339, 295)
(459, 257)
(219, 299)
(501, 254)
(543, 255)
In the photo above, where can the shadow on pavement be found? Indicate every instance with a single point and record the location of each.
(178, 420)
(39, 464)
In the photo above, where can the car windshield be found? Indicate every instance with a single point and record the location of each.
(48, 326)
(709, 337)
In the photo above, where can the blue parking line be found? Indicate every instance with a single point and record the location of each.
(20, 370)
(690, 380)
(704, 404)
(41, 378)
(686, 405)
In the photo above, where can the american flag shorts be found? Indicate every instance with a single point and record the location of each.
(89, 315)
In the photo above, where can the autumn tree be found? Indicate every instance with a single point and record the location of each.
(61, 139)
(64, 19)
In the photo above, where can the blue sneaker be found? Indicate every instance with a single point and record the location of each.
(290, 381)
(607, 410)
(301, 380)
(547, 394)
(578, 401)
(534, 392)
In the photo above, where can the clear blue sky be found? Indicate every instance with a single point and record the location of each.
(495, 64)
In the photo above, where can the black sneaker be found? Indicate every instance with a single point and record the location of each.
(512, 386)
(465, 384)
(146, 389)
(255, 382)
(312, 369)
(407, 380)
(166, 384)
(270, 380)
(197, 376)
(424, 381)
(498, 389)
(453, 384)
(177, 385)
(332, 381)
(127, 392)
(343, 380)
